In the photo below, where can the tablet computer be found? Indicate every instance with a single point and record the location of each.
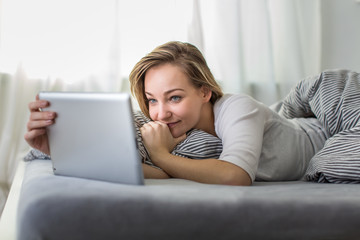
(94, 136)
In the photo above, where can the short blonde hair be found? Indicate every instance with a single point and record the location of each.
(184, 55)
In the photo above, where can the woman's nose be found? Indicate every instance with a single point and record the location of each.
(163, 113)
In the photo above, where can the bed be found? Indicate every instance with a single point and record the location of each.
(56, 207)
(326, 206)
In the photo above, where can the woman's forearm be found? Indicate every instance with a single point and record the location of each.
(211, 171)
(151, 172)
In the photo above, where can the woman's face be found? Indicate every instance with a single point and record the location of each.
(172, 98)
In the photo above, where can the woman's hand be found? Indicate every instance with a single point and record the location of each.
(36, 135)
(158, 140)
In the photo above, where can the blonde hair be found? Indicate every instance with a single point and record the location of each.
(184, 55)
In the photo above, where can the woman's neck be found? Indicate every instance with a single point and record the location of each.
(207, 119)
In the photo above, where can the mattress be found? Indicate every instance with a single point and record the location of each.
(57, 207)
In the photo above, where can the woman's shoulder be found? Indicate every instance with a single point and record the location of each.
(235, 106)
(236, 100)
(227, 96)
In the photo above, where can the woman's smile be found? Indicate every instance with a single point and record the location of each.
(173, 124)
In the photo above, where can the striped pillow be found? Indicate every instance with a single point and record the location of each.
(197, 145)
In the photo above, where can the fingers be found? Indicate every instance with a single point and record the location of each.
(39, 119)
(153, 129)
(42, 116)
(146, 128)
(154, 125)
(36, 135)
(31, 125)
(37, 105)
(31, 135)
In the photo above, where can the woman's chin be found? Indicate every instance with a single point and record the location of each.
(176, 134)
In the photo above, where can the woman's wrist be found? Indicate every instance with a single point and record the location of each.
(36, 154)
(159, 157)
(152, 172)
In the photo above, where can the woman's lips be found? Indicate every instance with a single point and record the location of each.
(171, 125)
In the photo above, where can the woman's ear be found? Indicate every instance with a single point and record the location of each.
(205, 93)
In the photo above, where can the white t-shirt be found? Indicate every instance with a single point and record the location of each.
(267, 146)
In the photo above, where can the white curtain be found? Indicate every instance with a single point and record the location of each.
(259, 47)
(71, 45)
(50, 45)
(262, 47)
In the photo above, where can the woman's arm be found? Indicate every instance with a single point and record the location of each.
(213, 171)
(151, 172)
(159, 143)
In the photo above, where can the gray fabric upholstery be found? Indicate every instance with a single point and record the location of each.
(55, 207)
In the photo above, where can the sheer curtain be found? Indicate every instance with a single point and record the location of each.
(48, 45)
(259, 47)
(262, 47)
(73, 46)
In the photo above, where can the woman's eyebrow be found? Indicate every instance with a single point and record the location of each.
(173, 90)
(168, 91)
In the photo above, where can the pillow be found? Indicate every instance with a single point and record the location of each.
(197, 145)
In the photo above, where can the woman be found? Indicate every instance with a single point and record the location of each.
(175, 88)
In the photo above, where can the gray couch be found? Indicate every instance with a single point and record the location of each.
(55, 207)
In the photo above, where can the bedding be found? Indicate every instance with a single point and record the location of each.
(333, 97)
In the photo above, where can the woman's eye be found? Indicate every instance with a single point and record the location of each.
(175, 98)
(151, 101)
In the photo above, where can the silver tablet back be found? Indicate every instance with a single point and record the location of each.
(94, 136)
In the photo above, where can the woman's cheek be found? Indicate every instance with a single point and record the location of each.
(152, 114)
